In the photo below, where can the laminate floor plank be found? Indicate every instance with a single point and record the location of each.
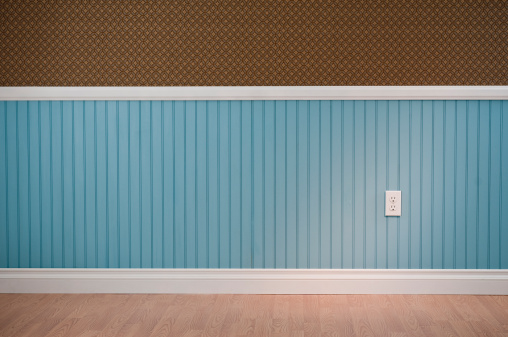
(252, 315)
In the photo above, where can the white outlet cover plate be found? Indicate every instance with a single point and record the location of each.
(393, 201)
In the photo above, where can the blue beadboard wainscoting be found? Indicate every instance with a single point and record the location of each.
(253, 184)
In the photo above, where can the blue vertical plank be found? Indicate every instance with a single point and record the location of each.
(179, 185)
(302, 218)
(235, 176)
(484, 179)
(382, 183)
(336, 164)
(124, 181)
(269, 184)
(224, 184)
(156, 182)
(101, 185)
(325, 185)
(280, 184)
(426, 183)
(213, 178)
(23, 186)
(190, 184)
(315, 185)
(201, 185)
(258, 181)
(291, 185)
(415, 192)
(371, 194)
(359, 185)
(472, 119)
(449, 222)
(34, 170)
(404, 186)
(348, 184)
(67, 180)
(393, 180)
(145, 162)
(494, 185)
(247, 175)
(4, 221)
(503, 237)
(134, 192)
(438, 185)
(12, 185)
(79, 179)
(168, 160)
(56, 188)
(112, 193)
(45, 191)
(90, 134)
(460, 184)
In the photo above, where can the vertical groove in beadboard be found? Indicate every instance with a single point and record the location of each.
(40, 181)
(376, 140)
(500, 185)
(297, 141)
(398, 181)
(489, 181)
(342, 185)
(477, 246)
(421, 186)
(263, 183)
(45, 242)
(106, 145)
(229, 182)
(163, 233)
(409, 185)
(455, 188)
(241, 186)
(308, 184)
(274, 184)
(432, 195)
(286, 184)
(364, 264)
(466, 192)
(443, 190)
(62, 182)
(129, 216)
(207, 151)
(117, 136)
(319, 189)
(353, 178)
(151, 184)
(51, 182)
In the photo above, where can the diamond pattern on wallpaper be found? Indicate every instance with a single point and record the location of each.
(239, 42)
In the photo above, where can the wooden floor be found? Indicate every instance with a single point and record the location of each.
(256, 315)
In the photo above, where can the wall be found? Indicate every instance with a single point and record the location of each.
(253, 43)
(253, 184)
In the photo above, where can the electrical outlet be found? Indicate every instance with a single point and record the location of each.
(393, 203)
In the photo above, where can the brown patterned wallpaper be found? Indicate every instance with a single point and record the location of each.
(253, 43)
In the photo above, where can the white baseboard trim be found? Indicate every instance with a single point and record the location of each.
(255, 281)
(257, 93)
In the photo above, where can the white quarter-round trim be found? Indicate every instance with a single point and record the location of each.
(256, 93)
(256, 281)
